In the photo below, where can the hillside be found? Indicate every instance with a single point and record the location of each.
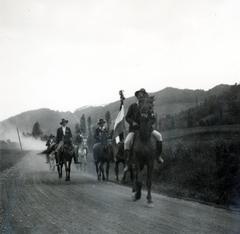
(221, 107)
(168, 101)
(47, 118)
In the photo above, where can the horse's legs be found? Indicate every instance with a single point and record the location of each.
(97, 170)
(102, 170)
(47, 158)
(149, 182)
(131, 173)
(67, 169)
(117, 170)
(107, 170)
(59, 166)
(137, 185)
(85, 164)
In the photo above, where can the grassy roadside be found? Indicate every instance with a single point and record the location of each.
(202, 165)
(9, 158)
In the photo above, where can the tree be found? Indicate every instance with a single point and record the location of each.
(83, 124)
(77, 127)
(90, 140)
(89, 124)
(189, 119)
(108, 119)
(36, 131)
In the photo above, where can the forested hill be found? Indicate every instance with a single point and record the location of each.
(217, 109)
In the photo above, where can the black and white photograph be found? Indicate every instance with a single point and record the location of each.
(119, 117)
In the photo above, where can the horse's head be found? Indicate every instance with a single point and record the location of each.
(146, 107)
(147, 117)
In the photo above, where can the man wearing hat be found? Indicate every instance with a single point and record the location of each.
(64, 137)
(100, 130)
(64, 133)
(133, 119)
(79, 138)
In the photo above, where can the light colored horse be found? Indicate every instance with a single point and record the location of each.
(52, 162)
(82, 152)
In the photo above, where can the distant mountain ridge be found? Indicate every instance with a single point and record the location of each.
(167, 101)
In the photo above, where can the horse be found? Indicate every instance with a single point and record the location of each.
(103, 154)
(81, 155)
(144, 149)
(119, 158)
(52, 162)
(50, 156)
(64, 156)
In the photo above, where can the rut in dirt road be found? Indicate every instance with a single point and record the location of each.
(34, 200)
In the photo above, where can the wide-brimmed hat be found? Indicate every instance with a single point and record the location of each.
(63, 121)
(140, 91)
(101, 121)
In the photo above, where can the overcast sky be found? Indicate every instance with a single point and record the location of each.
(64, 54)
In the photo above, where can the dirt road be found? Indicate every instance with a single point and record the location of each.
(34, 200)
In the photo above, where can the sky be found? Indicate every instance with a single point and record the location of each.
(64, 54)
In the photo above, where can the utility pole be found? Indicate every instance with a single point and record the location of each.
(19, 139)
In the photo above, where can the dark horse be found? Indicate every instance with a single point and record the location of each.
(119, 158)
(64, 156)
(144, 149)
(103, 153)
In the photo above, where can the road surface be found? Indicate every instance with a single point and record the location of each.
(34, 200)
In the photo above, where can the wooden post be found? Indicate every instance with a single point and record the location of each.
(19, 139)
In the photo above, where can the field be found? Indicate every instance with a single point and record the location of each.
(202, 164)
(9, 157)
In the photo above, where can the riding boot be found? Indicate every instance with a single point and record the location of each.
(159, 151)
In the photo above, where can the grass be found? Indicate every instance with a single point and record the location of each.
(9, 157)
(204, 167)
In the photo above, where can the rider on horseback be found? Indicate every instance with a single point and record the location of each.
(78, 143)
(79, 138)
(49, 145)
(133, 119)
(64, 136)
(100, 130)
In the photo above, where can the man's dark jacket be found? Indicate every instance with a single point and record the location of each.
(134, 115)
(67, 138)
(98, 134)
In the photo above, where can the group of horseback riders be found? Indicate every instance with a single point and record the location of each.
(64, 135)
(141, 147)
